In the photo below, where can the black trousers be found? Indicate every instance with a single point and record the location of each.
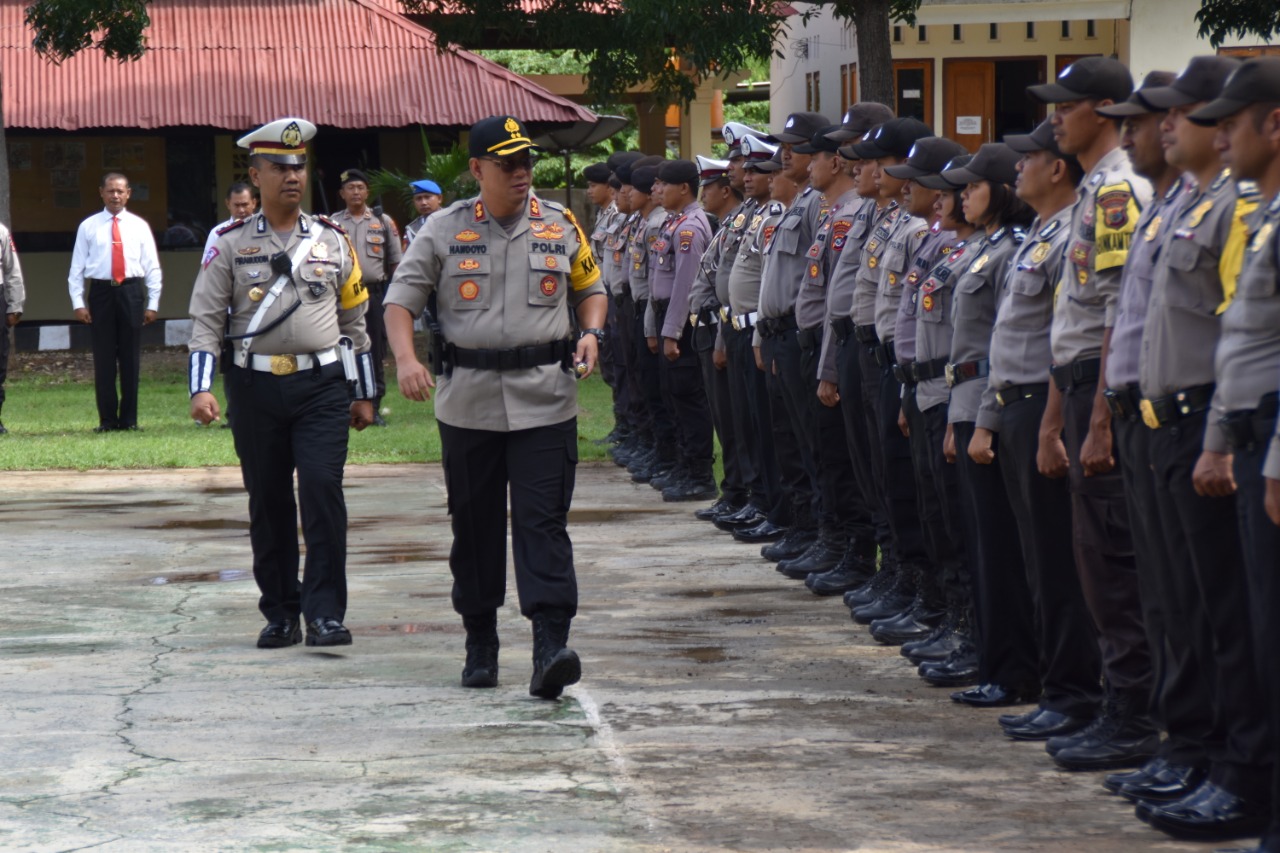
(898, 476)
(936, 497)
(285, 424)
(864, 454)
(1261, 545)
(613, 363)
(681, 383)
(1207, 567)
(1104, 553)
(538, 465)
(793, 477)
(1002, 598)
(116, 335)
(660, 417)
(376, 328)
(749, 413)
(733, 485)
(843, 509)
(797, 402)
(631, 399)
(1070, 661)
(1176, 622)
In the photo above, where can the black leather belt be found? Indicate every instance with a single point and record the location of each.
(966, 370)
(641, 305)
(884, 353)
(1078, 372)
(772, 327)
(107, 281)
(516, 358)
(1125, 403)
(809, 338)
(1247, 428)
(866, 335)
(1014, 393)
(1163, 411)
(923, 371)
(842, 328)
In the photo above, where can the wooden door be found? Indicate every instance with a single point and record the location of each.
(913, 89)
(969, 101)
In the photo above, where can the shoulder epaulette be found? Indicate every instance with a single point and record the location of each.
(228, 228)
(1248, 190)
(329, 223)
(1220, 181)
(1050, 229)
(1019, 234)
(775, 207)
(1174, 188)
(998, 236)
(1274, 207)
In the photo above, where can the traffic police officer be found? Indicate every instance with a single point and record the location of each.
(298, 353)
(500, 273)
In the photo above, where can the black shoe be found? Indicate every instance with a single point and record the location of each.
(937, 646)
(1113, 782)
(280, 634)
(995, 696)
(326, 631)
(1211, 813)
(850, 573)
(670, 476)
(916, 623)
(871, 590)
(959, 670)
(793, 544)
(1125, 748)
(481, 668)
(1016, 720)
(105, 428)
(744, 519)
(555, 667)
(823, 554)
(717, 509)
(692, 487)
(1047, 724)
(3, 429)
(765, 531)
(890, 603)
(1166, 784)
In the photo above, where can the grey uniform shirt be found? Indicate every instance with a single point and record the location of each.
(614, 257)
(642, 236)
(867, 277)
(1247, 364)
(678, 252)
(326, 282)
(376, 243)
(978, 293)
(1182, 326)
(1109, 201)
(787, 254)
(844, 276)
(607, 219)
(811, 300)
(935, 248)
(904, 242)
(13, 293)
(1020, 352)
(496, 290)
(744, 278)
(935, 317)
(1135, 287)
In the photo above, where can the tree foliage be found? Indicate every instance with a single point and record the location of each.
(1222, 18)
(63, 28)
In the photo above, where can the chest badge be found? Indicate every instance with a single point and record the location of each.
(1153, 229)
(1082, 276)
(1040, 252)
(873, 262)
(468, 264)
(1260, 239)
(979, 264)
(551, 262)
(467, 236)
(468, 290)
(256, 294)
(548, 285)
(1198, 214)
(319, 251)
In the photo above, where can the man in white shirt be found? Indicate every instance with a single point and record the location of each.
(240, 204)
(115, 256)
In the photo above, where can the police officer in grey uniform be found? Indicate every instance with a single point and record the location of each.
(13, 297)
(1111, 199)
(776, 329)
(299, 355)
(1245, 405)
(503, 271)
(378, 250)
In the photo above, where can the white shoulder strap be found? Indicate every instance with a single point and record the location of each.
(276, 287)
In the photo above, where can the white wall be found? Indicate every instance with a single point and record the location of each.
(829, 45)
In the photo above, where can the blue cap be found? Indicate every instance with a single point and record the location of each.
(425, 186)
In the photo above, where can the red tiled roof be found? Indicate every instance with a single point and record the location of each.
(236, 64)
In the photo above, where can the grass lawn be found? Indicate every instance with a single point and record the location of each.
(50, 414)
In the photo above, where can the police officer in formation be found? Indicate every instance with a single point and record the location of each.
(1019, 407)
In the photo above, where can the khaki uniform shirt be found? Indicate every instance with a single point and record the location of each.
(497, 290)
(1109, 201)
(978, 293)
(1188, 292)
(14, 293)
(377, 244)
(1020, 353)
(935, 323)
(787, 254)
(844, 275)
(1135, 286)
(238, 268)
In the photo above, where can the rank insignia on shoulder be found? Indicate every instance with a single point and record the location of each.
(328, 223)
(1050, 229)
(1274, 206)
(1095, 180)
(1220, 181)
(227, 229)
(998, 236)
(1198, 214)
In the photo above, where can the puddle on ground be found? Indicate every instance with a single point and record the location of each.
(222, 576)
(601, 516)
(721, 593)
(199, 524)
(408, 628)
(704, 654)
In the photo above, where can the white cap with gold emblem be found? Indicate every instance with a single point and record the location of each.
(281, 141)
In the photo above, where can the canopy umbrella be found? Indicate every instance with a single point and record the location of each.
(575, 137)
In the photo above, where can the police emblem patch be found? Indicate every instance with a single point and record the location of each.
(927, 302)
(813, 271)
(551, 262)
(1083, 277)
(467, 236)
(1115, 208)
(873, 262)
(1040, 252)
(292, 135)
(468, 290)
(468, 264)
(548, 285)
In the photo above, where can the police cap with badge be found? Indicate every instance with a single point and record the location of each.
(282, 141)
(711, 171)
(929, 156)
(499, 136)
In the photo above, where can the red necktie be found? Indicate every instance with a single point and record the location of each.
(117, 251)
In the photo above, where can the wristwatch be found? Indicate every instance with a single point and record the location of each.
(599, 333)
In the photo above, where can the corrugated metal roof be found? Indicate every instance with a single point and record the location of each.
(236, 64)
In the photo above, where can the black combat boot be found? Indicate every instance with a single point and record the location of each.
(894, 599)
(663, 459)
(823, 554)
(554, 666)
(698, 484)
(1123, 736)
(873, 588)
(857, 565)
(793, 543)
(917, 622)
(481, 668)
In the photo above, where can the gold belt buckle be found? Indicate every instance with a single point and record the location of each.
(283, 365)
(725, 314)
(950, 373)
(1000, 398)
(1148, 414)
(737, 324)
(693, 319)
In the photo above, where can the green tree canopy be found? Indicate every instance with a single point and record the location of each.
(1222, 18)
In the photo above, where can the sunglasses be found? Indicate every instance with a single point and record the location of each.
(512, 164)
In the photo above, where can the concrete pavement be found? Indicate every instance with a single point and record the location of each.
(723, 707)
